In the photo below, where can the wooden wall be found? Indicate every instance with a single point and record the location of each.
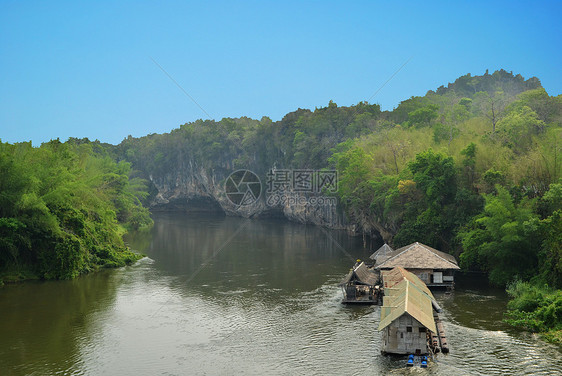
(397, 339)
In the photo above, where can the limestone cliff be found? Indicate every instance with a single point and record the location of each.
(197, 189)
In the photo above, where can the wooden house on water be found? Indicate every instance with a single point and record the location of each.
(407, 319)
(433, 267)
(360, 286)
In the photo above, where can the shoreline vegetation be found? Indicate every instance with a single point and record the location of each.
(64, 208)
(473, 168)
(536, 309)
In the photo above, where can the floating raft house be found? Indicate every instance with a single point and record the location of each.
(360, 286)
(407, 315)
(433, 267)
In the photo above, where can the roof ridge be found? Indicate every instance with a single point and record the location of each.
(442, 258)
(433, 250)
(396, 255)
(424, 292)
(407, 296)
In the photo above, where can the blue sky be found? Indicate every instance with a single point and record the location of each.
(85, 69)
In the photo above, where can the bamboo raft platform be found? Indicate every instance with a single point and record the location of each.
(434, 343)
(359, 295)
(441, 336)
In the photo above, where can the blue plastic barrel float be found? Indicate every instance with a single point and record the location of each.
(423, 362)
(410, 360)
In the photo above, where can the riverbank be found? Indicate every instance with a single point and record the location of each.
(13, 275)
(16, 276)
(537, 309)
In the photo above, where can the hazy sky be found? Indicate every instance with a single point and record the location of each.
(86, 70)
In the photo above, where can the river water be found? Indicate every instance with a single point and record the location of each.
(228, 296)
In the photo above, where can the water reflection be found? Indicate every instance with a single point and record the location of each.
(267, 258)
(43, 324)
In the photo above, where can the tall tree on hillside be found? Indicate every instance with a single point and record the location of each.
(490, 106)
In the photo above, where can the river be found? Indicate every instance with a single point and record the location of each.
(230, 296)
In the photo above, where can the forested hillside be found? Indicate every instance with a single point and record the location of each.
(473, 169)
(63, 210)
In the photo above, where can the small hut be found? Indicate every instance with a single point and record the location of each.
(360, 285)
(433, 267)
(406, 315)
(382, 253)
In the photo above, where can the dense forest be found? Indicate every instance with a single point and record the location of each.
(473, 169)
(63, 210)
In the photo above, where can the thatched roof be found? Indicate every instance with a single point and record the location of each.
(381, 253)
(407, 297)
(418, 256)
(362, 275)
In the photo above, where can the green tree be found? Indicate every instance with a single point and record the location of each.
(550, 254)
(423, 116)
(501, 240)
(519, 127)
(429, 219)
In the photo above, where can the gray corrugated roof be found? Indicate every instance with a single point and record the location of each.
(384, 250)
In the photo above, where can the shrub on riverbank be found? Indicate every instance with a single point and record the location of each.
(537, 309)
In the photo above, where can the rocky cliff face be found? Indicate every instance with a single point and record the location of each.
(196, 189)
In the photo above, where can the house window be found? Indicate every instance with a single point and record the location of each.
(409, 329)
(401, 335)
(422, 329)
